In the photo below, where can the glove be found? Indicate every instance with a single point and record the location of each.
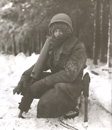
(23, 85)
(24, 82)
(20, 88)
(17, 90)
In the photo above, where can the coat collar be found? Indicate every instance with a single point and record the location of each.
(68, 45)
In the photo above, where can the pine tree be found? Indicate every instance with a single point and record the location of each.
(105, 26)
(110, 38)
(97, 42)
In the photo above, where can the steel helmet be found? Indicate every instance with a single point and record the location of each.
(61, 17)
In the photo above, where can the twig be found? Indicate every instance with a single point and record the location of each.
(67, 125)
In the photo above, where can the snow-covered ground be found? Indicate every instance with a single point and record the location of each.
(100, 103)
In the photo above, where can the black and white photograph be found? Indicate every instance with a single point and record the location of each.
(55, 64)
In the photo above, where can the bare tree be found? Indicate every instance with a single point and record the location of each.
(105, 26)
(110, 39)
(96, 46)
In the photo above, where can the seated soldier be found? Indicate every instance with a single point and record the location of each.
(58, 91)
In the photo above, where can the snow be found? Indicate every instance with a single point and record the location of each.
(7, 6)
(100, 111)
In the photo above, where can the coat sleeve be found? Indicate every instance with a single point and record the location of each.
(25, 75)
(71, 69)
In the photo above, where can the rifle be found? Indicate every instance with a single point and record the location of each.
(86, 81)
(39, 65)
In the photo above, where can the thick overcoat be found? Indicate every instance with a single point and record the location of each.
(58, 91)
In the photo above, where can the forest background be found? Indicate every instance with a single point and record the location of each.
(24, 25)
(23, 30)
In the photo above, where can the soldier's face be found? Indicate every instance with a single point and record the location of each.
(58, 33)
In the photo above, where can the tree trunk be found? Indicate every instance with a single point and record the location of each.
(105, 25)
(96, 46)
(110, 39)
(14, 44)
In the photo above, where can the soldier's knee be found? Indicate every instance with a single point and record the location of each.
(42, 109)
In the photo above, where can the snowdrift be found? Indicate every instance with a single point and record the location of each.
(11, 68)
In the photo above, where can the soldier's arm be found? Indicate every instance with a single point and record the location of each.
(72, 68)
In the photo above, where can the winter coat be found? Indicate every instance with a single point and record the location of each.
(64, 83)
(66, 64)
(68, 61)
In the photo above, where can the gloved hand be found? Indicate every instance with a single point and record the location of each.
(20, 87)
(17, 90)
(23, 85)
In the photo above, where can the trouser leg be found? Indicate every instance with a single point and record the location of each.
(26, 101)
